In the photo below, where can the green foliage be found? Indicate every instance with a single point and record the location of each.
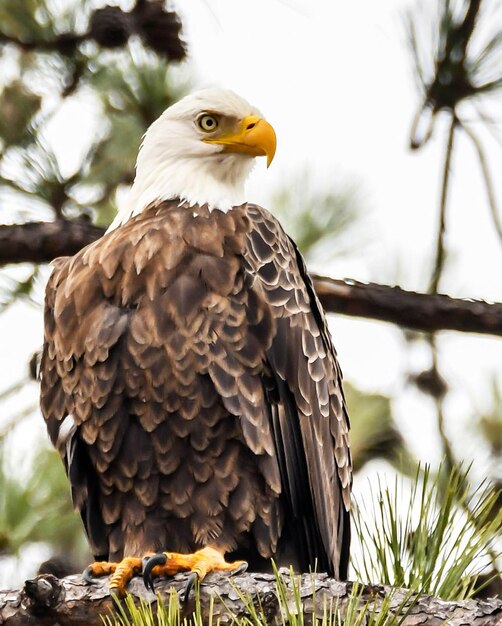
(449, 69)
(317, 221)
(33, 20)
(349, 611)
(133, 93)
(33, 174)
(127, 613)
(37, 508)
(491, 423)
(52, 53)
(435, 540)
(19, 288)
(18, 106)
(457, 58)
(140, 85)
(374, 433)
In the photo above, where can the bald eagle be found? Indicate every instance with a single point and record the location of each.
(188, 376)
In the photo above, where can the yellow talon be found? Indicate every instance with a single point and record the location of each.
(121, 572)
(199, 564)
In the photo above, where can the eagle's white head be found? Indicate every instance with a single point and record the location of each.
(200, 150)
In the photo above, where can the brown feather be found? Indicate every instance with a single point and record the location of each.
(194, 358)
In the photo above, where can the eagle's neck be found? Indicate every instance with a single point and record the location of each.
(216, 180)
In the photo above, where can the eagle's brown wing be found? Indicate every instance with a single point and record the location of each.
(308, 412)
(151, 387)
(182, 314)
(59, 381)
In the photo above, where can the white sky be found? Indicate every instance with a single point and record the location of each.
(334, 79)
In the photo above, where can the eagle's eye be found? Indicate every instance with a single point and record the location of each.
(207, 123)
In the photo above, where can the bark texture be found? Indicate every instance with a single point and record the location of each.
(47, 600)
(41, 242)
(419, 311)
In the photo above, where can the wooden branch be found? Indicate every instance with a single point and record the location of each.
(419, 311)
(41, 242)
(64, 44)
(47, 600)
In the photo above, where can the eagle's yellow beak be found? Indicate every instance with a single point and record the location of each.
(255, 137)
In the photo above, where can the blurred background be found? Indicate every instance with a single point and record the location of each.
(389, 124)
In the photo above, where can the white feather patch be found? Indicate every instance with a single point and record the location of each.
(66, 431)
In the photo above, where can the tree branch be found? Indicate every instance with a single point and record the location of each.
(490, 190)
(69, 602)
(419, 311)
(441, 234)
(41, 242)
(65, 43)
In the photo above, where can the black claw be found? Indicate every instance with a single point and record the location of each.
(156, 559)
(240, 570)
(115, 593)
(88, 576)
(188, 588)
(144, 561)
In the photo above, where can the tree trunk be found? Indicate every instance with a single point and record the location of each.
(47, 600)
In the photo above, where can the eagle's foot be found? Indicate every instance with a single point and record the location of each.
(121, 572)
(198, 564)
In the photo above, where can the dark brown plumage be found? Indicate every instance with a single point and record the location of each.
(193, 357)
